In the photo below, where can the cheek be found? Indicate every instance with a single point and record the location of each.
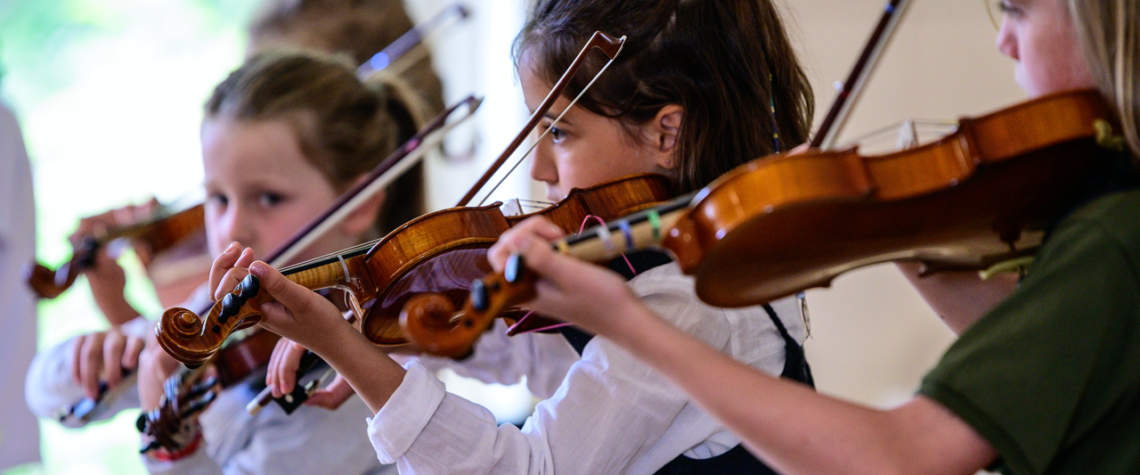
(277, 226)
(215, 241)
(283, 221)
(1051, 62)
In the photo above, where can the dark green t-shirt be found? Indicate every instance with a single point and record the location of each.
(1051, 377)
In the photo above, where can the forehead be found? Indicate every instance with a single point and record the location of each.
(536, 88)
(242, 150)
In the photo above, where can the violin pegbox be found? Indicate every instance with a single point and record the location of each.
(185, 395)
(429, 321)
(192, 340)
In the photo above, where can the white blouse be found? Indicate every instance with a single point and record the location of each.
(312, 440)
(606, 411)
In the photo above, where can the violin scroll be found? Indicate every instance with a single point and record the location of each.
(430, 322)
(49, 284)
(192, 340)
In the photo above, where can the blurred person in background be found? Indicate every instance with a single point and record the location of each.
(19, 432)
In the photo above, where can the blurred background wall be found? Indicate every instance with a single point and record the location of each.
(109, 93)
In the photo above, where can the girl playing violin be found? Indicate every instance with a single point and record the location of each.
(283, 136)
(700, 87)
(1046, 382)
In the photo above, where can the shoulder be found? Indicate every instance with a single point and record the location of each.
(1104, 229)
(1113, 216)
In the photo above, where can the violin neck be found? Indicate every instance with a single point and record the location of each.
(639, 231)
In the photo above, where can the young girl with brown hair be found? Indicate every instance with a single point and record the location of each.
(700, 87)
(1046, 382)
(283, 137)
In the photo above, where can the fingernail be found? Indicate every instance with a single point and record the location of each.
(259, 269)
(233, 245)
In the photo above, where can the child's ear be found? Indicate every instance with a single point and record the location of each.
(363, 219)
(666, 130)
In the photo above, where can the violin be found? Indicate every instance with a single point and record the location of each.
(779, 225)
(438, 253)
(432, 323)
(162, 231)
(774, 227)
(186, 393)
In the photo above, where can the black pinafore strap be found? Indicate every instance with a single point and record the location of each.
(737, 460)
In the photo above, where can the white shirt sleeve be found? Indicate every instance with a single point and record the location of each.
(49, 387)
(611, 414)
(497, 358)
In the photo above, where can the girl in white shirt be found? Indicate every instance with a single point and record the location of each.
(700, 87)
(271, 165)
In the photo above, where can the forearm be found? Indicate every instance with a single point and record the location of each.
(960, 298)
(118, 311)
(791, 427)
(367, 367)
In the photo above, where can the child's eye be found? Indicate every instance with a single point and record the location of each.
(556, 133)
(269, 199)
(217, 199)
(1008, 8)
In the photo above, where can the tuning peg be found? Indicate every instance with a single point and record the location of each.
(250, 286)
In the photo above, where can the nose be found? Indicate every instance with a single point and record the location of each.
(234, 225)
(542, 167)
(1007, 40)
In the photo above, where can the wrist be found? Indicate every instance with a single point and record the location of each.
(118, 312)
(632, 319)
(331, 339)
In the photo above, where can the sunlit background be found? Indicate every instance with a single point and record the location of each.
(109, 95)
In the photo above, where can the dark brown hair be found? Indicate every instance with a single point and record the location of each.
(358, 28)
(345, 126)
(727, 63)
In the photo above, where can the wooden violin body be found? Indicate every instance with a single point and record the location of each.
(155, 236)
(783, 224)
(986, 193)
(440, 253)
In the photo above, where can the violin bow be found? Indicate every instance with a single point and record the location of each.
(411, 39)
(497, 292)
(608, 45)
(852, 87)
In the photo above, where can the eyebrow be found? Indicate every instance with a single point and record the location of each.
(565, 119)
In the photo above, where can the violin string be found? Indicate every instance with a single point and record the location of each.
(329, 258)
(552, 124)
(772, 104)
(581, 228)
